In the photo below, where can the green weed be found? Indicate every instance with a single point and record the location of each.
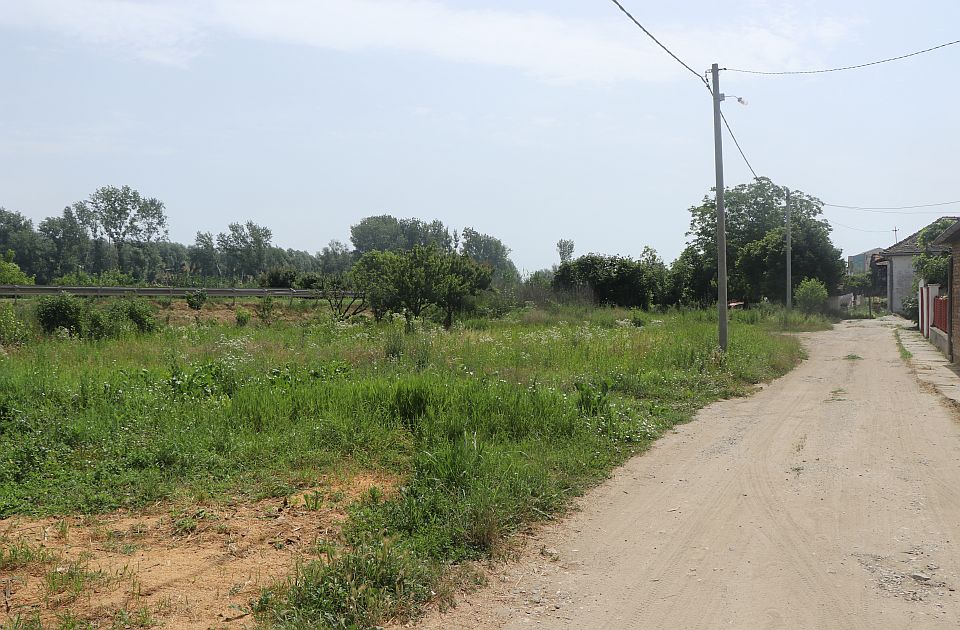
(489, 427)
(904, 353)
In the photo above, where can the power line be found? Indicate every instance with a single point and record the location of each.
(850, 227)
(736, 142)
(854, 67)
(694, 73)
(668, 51)
(895, 209)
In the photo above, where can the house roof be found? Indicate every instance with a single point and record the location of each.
(910, 247)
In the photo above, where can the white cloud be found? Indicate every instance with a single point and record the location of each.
(159, 32)
(549, 48)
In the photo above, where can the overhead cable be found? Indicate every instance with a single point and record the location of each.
(895, 209)
(850, 227)
(694, 73)
(742, 154)
(657, 41)
(842, 68)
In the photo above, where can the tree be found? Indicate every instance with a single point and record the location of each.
(616, 280)
(490, 251)
(70, 242)
(859, 283)
(410, 280)
(10, 273)
(31, 249)
(335, 258)
(461, 278)
(755, 236)
(244, 247)
(387, 233)
(203, 257)
(565, 249)
(931, 265)
(380, 233)
(283, 277)
(376, 275)
(124, 217)
(811, 295)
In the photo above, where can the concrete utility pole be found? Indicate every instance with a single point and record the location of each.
(789, 257)
(721, 216)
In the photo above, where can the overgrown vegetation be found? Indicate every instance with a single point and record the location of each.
(811, 296)
(904, 353)
(69, 315)
(488, 426)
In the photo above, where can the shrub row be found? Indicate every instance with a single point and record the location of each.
(81, 318)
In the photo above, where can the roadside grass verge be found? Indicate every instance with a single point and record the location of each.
(904, 353)
(489, 427)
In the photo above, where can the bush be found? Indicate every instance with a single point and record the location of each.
(279, 278)
(910, 308)
(196, 299)
(112, 278)
(13, 331)
(10, 273)
(61, 311)
(265, 308)
(119, 317)
(107, 323)
(243, 317)
(138, 311)
(811, 295)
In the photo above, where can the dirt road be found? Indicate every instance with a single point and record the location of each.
(830, 499)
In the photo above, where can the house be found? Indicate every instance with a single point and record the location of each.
(900, 274)
(860, 263)
(950, 240)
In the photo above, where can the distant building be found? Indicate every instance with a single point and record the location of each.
(860, 263)
(900, 274)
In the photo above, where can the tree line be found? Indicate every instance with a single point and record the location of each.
(119, 236)
(404, 263)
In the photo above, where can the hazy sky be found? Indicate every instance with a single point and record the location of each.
(531, 120)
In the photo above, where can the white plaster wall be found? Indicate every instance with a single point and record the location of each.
(900, 279)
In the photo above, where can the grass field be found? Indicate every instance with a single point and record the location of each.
(486, 428)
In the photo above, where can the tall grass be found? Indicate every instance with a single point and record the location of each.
(489, 427)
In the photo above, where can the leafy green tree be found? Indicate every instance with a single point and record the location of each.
(125, 217)
(859, 284)
(755, 235)
(376, 275)
(489, 250)
(335, 258)
(279, 277)
(565, 248)
(387, 233)
(244, 248)
(461, 278)
(379, 233)
(811, 295)
(32, 251)
(933, 265)
(617, 280)
(408, 281)
(70, 242)
(10, 273)
(203, 256)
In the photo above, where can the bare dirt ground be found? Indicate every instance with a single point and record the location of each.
(191, 566)
(830, 499)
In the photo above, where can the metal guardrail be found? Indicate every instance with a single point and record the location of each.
(25, 290)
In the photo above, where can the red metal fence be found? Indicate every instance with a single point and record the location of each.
(941, 313)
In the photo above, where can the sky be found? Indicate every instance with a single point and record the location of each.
(532, 120)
